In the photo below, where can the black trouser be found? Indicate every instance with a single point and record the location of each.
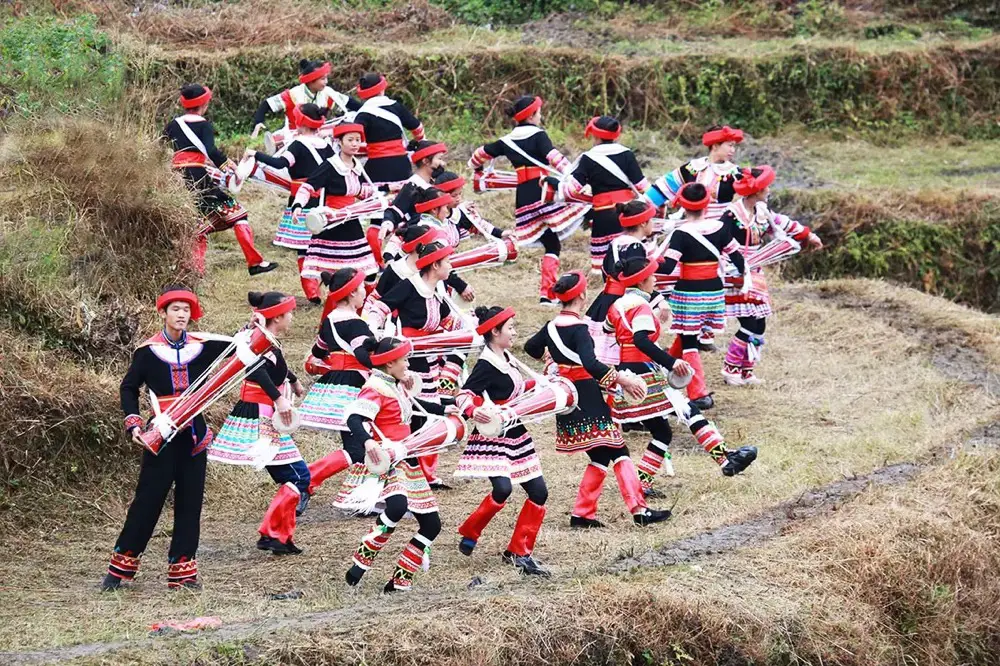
(550, 241)
(535, 488)
(604, 455)
(175, 466)
(755, 325)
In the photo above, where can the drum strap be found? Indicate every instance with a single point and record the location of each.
(557, 341)
(191, 136)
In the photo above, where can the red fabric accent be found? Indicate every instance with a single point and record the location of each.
(527, 111)
(431, 235)
(317, 73)
(635, 220)
(279, 520)
(676, 347)
(609, 199)
(613, 287)
(690, 204)
(452, 185)
(377, 89)
(375, 244)
(414, 332)
(184, 296)
(428, 465)
(628, 484)
(341, 129)
(325, 467)
(632, 280)
(310, 286)
(722, 135)
(342, 360)
(529, 522)
(477, 521)
(579, 289)
(574, 373)
(699, 271)
(429, 151)
(749, 185)
(391, 355)
(188, 158)
(436, 202)
(252, 392)
(696, 389)
(393, 148)
(195, 102)
(527, 174)
(339, 200)
(632, 354)
(495, 321)
(198, 253)
(287, 304)
(286, 100)
(244, 236)
(436, 255)
(338, 295)
(550, 274)
(607, 135)
(591, 486)
(302, 120)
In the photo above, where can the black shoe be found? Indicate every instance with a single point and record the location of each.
(353, 575)
(316, 300)
(739, 460)
(112, 583)
(652, 493)
(466, 546)
(303, 504)
(548, 301)
(262, 267)
(389, 588)
(650, 516)
(708, 347)
(525, 564)
(439, 485)
(584, 523)
(192, 585)
(704, 402)
(276, 547)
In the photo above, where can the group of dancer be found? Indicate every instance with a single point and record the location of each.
(386, 284)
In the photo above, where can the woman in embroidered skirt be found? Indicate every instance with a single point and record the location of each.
(265, 396)
(507, 458)
(379, 419)
(589, 427)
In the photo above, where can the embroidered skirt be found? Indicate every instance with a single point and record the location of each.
(656, 402)
(245, 425)
(328, 399)
(341, 246)
(511, 455)
(755, 303)
(405, 479)
(589, 425)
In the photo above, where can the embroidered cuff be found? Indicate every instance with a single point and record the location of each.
(133, 421)
(609, 379)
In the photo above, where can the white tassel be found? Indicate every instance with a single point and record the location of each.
(425, 563)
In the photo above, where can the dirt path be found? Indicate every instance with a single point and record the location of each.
(948, 350)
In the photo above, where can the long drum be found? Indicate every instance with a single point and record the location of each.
(554, 396)
(322, 217)
(485, 256)
(486, 181)
(436, 434)
(462, 341)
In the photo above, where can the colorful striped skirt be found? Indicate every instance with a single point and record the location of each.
(406, 479)
(533, 219)
(342, 246)
(292, 231)
(511, 455)
(695, 311)
(656, 402)
(245, 425)
(325, 405)
(755, 303)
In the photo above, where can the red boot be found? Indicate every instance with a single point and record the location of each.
(529, 522)
(198, 253)
(628, 485)
(428, 465)
(325, 467)
(550, 274)
(310, 286)
(278, 526)
(244, 236)
(477, 521)
(585, 509)
(696, 390)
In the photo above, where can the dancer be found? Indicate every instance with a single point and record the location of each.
(342, 181)
(614, 177)
(428, 158)
(464, 216)
(697, 301)
(530, 150)
(303, 157)
(636, 328)
(717, 173)
(265, 396)
(400, 269)
(381, 415)
(312, 89)
(166, 364)
(750, 220)
(193, 140)
(589, 427)
(434, 208)
(335, 351)
(508, 458)
(421, 310)
(384, 121)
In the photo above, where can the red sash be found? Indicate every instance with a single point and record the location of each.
(632, 354)
(613, 287)
(394, 148)
(609, 199)
(574, 373)
(188, 158)
(252, 392)
(700, 271)
(525, 174)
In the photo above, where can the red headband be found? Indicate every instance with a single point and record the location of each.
(347, 128)
(338, 295)
(184, 296)
(722, 135)
(574, 291)
(632, 280)
(749, 185)
(377, 89)
(639, 218)
(688, 204)
(435, 256)
(287, 304)
(195, 102)
(607, 135)
(527, 111)
(430, 236)
(317, 73)
(303, 120)
(496, 321)
(450, 186)
(433, 149)
(436, 202)
(388, 357)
